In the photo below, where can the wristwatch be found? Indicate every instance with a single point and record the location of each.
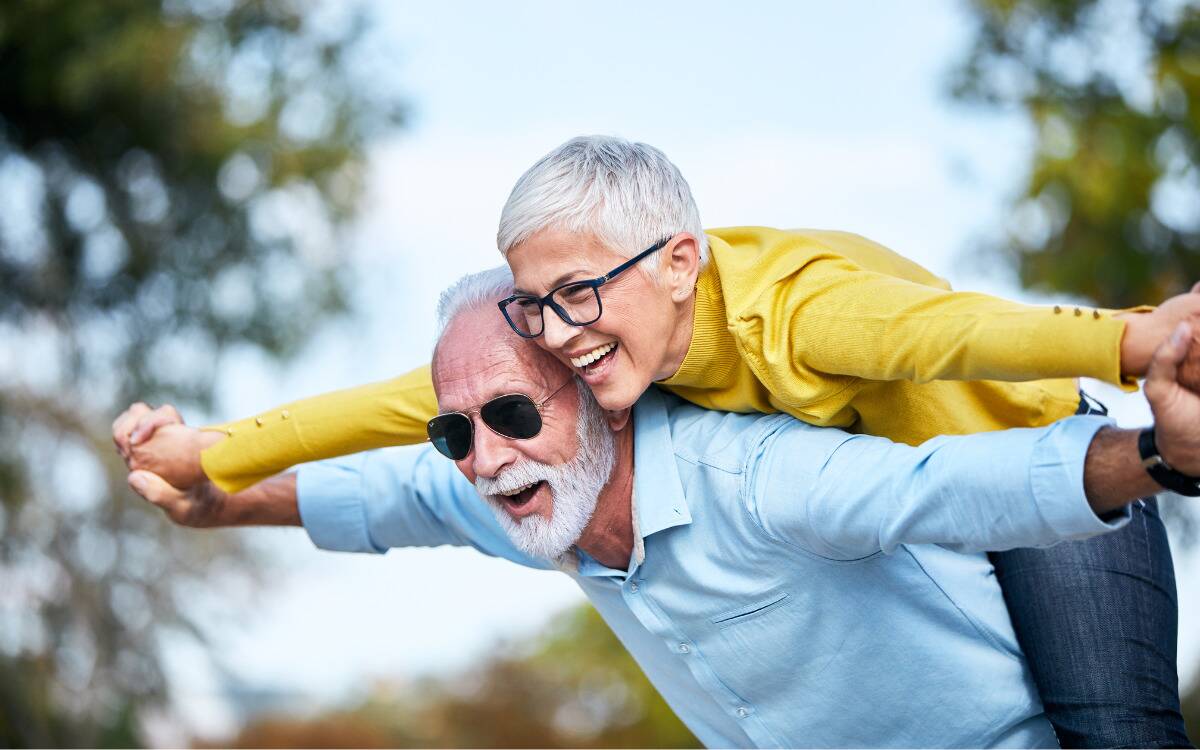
(1160, 471)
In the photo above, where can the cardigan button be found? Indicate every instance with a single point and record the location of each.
(1057, 309)
(284, 414)
(1078, 312)
(258, 421)
(1096, 314)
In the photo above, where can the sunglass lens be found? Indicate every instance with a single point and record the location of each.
(515, 416)
(451, 435)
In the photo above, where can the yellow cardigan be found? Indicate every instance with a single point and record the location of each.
(827, 326)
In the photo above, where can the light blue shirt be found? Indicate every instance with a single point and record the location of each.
(790, 585)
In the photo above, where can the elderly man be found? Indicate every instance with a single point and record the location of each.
(780, 584)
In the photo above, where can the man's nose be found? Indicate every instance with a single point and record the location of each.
(556, 333)
(491, 452)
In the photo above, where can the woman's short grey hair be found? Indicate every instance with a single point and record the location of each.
(629, 195)
(472, 291)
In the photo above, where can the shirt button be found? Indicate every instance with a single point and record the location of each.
(684, 648)
(1096, 314)
(1057, 309)
(633, 587)
(743, 712)
(1078, 312)
(258, 421)
(285, 414)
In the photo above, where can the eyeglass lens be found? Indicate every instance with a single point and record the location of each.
(514, 416)
(577, 304)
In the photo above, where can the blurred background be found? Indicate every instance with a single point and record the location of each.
(227, 205)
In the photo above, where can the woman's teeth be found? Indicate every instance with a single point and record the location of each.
(595, 354)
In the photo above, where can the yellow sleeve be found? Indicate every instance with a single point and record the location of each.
(835, 317)
(391, 412)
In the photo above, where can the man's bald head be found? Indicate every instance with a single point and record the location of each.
(478, 345)
(471, 330)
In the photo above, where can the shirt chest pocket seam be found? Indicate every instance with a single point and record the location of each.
(750, 611)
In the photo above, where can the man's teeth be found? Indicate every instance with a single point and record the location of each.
(518, 490)
(586, 359)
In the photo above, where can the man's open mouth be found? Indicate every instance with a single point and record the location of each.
(521, 495)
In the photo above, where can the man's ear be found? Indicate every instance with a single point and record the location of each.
(617, 420)
(682, 255)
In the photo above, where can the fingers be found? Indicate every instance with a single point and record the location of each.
(124, 424)
(1165, 362)
(1188, 374)
(154, 488)
(146, 426)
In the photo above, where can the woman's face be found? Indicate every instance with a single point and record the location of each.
(630, 346)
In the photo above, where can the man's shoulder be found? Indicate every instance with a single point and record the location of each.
(723, 440)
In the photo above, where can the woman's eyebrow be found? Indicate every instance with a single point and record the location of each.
(566, 277)
(563, 279)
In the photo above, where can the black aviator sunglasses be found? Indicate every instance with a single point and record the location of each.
(577, 303)
(513, 415)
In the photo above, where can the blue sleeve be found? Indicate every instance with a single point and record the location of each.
(845, 496)
(398, 497)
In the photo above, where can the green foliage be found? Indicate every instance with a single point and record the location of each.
(574, 686)
(1110, 209)
(1110, 206)
(174, 177)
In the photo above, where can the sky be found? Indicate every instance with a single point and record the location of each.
(787, 114)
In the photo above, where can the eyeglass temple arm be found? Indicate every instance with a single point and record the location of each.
(629, 263)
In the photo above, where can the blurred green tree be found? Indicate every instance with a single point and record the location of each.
(174, 174)
(1110, 208)
(575, 685)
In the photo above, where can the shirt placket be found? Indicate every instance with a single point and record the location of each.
(636, 591)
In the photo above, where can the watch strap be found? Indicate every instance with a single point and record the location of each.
(1160, 471)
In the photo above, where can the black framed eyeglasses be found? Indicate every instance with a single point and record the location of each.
(513, 415)
(577, 303)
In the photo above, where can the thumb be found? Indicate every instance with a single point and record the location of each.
(150, 423)
(1167, 357)
(153, 487)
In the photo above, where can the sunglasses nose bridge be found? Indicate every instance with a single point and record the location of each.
(490, 451)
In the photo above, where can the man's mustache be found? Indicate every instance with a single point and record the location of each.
(514, 477)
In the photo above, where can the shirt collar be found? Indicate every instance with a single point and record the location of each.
(658, 502)
(658, 499)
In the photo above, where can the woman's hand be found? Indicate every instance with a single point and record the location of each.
(1145, 331)
(157, 441)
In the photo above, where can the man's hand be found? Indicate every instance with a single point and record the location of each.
(1176, 408)
(201, 507)
(1145, 331)
(157, 441)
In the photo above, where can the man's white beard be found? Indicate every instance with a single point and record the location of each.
(575, 486)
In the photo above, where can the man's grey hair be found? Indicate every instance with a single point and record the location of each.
(472, 291)
(629, 195)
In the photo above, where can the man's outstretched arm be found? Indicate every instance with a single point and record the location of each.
(271, 502)
(846, 496)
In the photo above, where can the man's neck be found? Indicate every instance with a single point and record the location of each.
(608, 538)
